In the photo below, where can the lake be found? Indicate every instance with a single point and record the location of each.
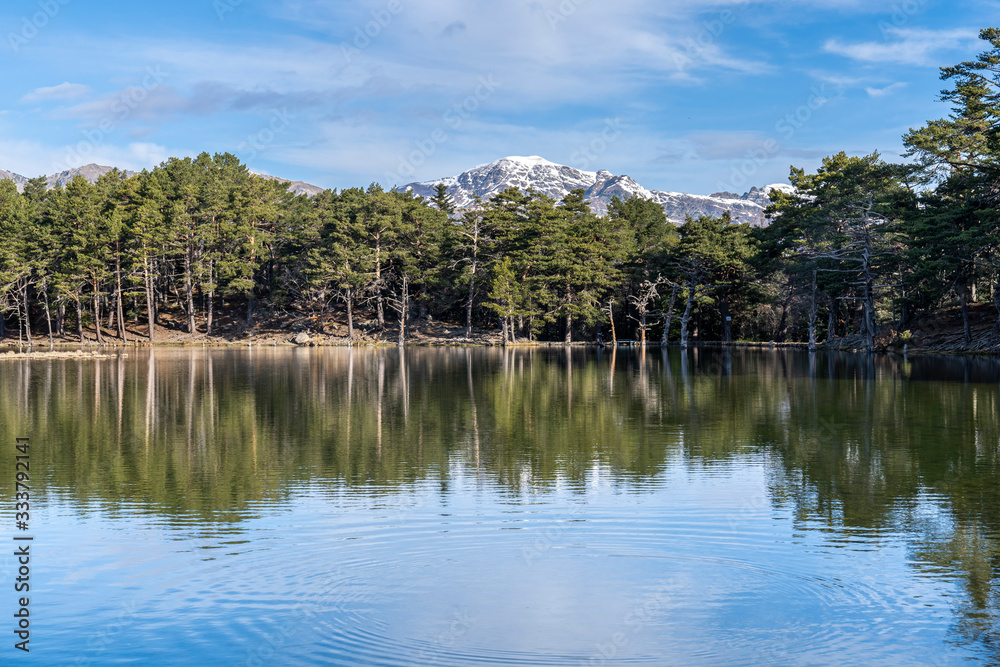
(534, 506)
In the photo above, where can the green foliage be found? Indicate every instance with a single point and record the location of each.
(864, 240)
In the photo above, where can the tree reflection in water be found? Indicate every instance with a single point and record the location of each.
(860, 445)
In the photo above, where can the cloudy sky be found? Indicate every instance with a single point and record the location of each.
(682, 95)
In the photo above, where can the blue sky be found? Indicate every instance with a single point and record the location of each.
(682, 95)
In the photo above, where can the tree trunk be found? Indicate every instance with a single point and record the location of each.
(782, 322)
(379, 305)
(831, 324)
(60, 319)
(189, 292)
(210, 301)
(118, 293)
(996, 300)
(20, 324)
(727, 324)
(868, 321)
(966, 325)
(686, 317)
(468, 305)
(150, 300)
(611, 318)
(97, 320)
(349, 302)
(111, 313)
(569, 329)
(404, 308)
(813, 312)
(26, 313)
(210, 313)
(48, 318)
(665, 338)
(79, 319)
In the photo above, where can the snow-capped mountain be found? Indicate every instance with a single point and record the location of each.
(556, 180)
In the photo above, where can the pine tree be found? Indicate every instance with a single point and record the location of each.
(443, 201)
(958, 224)
(846, 217)
(15, 269)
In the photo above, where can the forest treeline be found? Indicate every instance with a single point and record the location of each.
(860, 249)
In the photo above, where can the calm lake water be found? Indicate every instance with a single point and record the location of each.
(529, 507)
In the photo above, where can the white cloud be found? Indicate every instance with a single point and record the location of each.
(26, 158)
(887, 90)
(910, 47)
(133, 157)
(64, 91)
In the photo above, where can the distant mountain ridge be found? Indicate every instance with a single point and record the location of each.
(18, 179)
(556, 180)
(89, 171)
(298, 187)
(536, 173)
(94, 171)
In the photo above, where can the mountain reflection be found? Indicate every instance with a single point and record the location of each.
(856, 444)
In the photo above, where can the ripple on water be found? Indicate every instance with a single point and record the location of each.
(355, 582)
(465, 587)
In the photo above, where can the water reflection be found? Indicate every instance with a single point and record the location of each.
(867, 450)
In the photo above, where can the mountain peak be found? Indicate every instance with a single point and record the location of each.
(90, 171)
(531, 160)
(556, 181)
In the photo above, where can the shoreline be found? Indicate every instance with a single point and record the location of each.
(90, 349)
(940, 335)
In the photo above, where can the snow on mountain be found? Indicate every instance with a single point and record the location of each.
(556, 180)
(486, 180)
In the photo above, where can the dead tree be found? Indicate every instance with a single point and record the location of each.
(643, 301)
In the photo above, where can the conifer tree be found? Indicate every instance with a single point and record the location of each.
(958, 224)
(442, 200)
